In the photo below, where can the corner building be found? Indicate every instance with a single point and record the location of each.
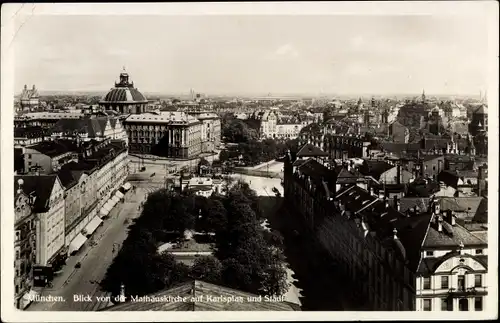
(166, 134)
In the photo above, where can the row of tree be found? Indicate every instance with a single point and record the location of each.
(246, 257)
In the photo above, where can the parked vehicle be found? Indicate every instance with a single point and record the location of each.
(78, 265)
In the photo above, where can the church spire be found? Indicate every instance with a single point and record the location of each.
(423, 96)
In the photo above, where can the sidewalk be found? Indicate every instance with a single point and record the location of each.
(60, 280)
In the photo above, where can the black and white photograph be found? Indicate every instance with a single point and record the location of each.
(251, 158)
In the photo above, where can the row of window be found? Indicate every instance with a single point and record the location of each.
(461, 282)
(447, 304)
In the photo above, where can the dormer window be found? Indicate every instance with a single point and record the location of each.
(429, 253)
(479, 251)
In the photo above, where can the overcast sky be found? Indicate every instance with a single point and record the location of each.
(255, 54)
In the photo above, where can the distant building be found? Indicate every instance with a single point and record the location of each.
(44, 119)
(211, 130)
(398, 133)
(124, 97)
(169, 134)
(479, 121)
(30, 99)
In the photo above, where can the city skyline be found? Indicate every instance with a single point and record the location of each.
(345, 55)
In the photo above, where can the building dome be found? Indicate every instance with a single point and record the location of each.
(124, 97)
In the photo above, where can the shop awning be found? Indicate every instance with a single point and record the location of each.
(93, 224)
(76, 243)
(119, 194)
(113, 202)
(116, 199)
(127, 186)
(104, 211)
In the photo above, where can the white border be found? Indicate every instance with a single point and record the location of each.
(488, 9)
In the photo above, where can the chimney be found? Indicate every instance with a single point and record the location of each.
(372, 193)
(396, 201)
(440, 223)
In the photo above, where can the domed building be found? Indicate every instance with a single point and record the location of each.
(124, 97)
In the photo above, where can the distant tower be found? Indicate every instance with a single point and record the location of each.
(373, 102)
(423, 96)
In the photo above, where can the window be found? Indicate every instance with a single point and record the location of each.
(461, 282)
(446, 304)
(427, 304)
(478, 303)
(427, 283)
(429, 253)
(479, 251)
(444, 282)
(478, 280)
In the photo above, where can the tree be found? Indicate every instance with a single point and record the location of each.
(207, 268)
(274, 280)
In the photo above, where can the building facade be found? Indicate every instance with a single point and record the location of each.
(25, 227)
(30, 99)
(210, 130)
(49, 210)
(168, 134)
(124, 97)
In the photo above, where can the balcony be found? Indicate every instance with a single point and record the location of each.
(469, 291)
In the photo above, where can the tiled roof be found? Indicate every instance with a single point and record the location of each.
(430, 264)
(29, 132)
(355, 198)
(202, 291)
(450, 237)
(55, 148)
(374, 168)
(309, 150)
(175, 117)
(347, 177)
(42, 186)
(407, 203)
(463, 204)
(66, 177)
(395, 147)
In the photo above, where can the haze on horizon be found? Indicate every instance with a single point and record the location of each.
(381, 55)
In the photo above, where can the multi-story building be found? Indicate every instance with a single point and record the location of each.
(44, 119)
(398, 133)
(30, 99)
(49, 210)
(90, 184)
(453, 268)
(210, 130)
(337, 144)
(85, 129)
(25, 226)
(267, 123)
(124, 97)
(288, 130)
(170, 134)
(395, 261)
(48, 156)
(28, 136)
(479, 121)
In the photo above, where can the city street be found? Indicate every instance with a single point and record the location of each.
(94, 261)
